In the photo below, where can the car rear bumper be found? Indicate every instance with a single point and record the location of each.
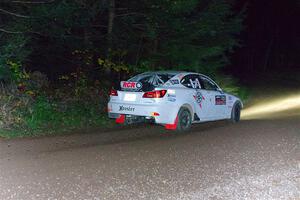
(163, 113)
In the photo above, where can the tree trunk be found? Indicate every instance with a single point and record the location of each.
(110, 25)
(111, 17)
(268, 53)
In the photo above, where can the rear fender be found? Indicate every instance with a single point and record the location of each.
(173, 125)
(188, 106)
(174, 118)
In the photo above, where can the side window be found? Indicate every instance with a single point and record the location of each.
(207, 84)
(191, 81)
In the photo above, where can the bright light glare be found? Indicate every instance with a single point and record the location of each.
(273, 106)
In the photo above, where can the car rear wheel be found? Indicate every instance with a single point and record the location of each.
(184, 120)
(236, 113)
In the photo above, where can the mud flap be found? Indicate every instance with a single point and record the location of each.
(120, 119)
(172, 126)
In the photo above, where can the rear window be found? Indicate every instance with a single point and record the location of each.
(151, 80)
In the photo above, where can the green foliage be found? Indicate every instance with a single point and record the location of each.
(5, 74)
(13, 52)
(108, 64)
(73, 37)
(11, 102)
(195, 34)
(46, 114)
(17, 74)
(166, 34)
(230, 85)
(33, 109)
(41, 114)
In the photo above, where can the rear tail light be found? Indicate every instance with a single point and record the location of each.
(113, 92)
(155, 94)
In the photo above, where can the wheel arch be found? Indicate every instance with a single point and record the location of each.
(189, 107)
(238, 102)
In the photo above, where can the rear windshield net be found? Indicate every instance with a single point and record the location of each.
(151, 80)
(154, 79)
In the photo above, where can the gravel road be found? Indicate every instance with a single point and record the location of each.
(254, 159)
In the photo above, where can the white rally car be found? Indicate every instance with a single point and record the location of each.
(173, 99)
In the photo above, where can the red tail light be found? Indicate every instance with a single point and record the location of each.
(113, 92)
(155, 94)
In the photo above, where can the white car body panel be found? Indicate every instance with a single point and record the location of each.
(207, 105)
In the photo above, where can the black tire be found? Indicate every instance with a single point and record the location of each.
(236, 113)
(184, 120)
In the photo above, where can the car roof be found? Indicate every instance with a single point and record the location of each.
(165, 72)
(177, 74)
(173, 72)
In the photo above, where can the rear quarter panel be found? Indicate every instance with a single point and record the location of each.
(183, 97)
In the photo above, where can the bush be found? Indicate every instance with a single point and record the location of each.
(46, 114)
(11, 102)
(34, 107)
(230, 85)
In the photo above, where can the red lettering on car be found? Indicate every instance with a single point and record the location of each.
(129, 84)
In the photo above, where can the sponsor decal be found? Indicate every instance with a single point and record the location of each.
(230, 101)
(131, 85)
(220, 100)
(172, 97)
(174, 81)
(195, 84)
(199, 98)
(139, 85)
(126, 108)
